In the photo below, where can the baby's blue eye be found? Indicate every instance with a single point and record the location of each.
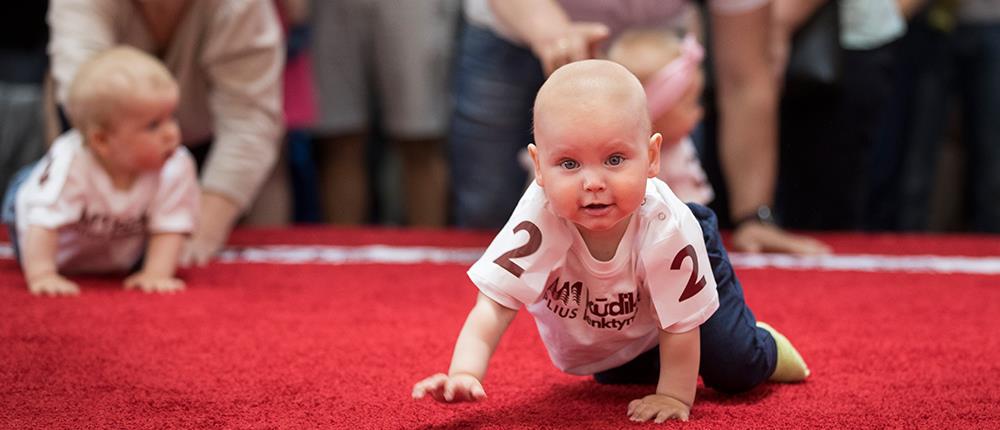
(615, 160)
(568, 164)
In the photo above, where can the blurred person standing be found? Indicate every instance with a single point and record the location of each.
(227, 56)
(828, 135)
(385, 62)
(300, 108)
(956, 58)
(23, 62)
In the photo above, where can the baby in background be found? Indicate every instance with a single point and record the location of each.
(669, 69)
(114, 194)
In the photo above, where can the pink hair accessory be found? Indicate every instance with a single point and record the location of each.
(668, 84)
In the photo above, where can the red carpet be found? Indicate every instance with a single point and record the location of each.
(339, 346)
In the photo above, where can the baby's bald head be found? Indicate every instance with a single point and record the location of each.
(590, 93)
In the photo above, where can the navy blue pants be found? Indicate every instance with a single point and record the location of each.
(736, 355)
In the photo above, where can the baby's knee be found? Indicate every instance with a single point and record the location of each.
(740, 371)
(735, 381)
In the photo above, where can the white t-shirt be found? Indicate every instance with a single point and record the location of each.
(100, 228)
(595, 315)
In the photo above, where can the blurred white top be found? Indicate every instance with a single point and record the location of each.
(869, 24)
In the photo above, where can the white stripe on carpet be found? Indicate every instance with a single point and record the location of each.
(389, 254)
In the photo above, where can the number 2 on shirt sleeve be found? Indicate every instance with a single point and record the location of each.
(534, 242)
(692, 287)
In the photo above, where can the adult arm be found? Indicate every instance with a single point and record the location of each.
(243, 56)
(78, 30)
(547, 29)
(486, 323)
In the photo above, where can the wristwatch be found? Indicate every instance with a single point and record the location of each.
(762, 215)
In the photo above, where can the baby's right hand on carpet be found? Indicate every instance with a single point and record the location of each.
(448, 389)
(52, 285)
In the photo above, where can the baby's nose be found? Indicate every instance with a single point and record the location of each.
(593, 182)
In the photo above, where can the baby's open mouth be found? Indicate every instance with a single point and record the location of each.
(596, 206)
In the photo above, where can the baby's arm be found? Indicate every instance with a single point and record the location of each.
(487, 321)
(40, 264)
(680, 354)
(157, 274)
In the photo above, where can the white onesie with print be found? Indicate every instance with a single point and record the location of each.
(102, 229)
(595, 315)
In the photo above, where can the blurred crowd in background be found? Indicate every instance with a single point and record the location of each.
(391, 115)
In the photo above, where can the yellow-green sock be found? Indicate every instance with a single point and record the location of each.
(791, 367)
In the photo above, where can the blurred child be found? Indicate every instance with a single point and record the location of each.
(670, 71)
(618, 273)
(116, 191)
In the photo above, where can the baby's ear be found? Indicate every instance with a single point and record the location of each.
(654, 155)
(533, 151)
(97, 139)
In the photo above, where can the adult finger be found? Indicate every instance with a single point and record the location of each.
(576, 49)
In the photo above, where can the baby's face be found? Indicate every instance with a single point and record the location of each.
(594, 170)
(678, 121)
(146, 133)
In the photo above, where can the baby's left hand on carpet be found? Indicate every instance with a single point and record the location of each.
(658, 407)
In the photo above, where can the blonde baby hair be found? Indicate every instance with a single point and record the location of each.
(105, 84)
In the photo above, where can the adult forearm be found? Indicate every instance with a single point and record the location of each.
(239, 163)
(218, 216)
(531, 20)
(479, 337)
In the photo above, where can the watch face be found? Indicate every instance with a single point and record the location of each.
(763, 213)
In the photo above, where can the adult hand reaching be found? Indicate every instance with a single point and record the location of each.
(578, 41)
(218, 214)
